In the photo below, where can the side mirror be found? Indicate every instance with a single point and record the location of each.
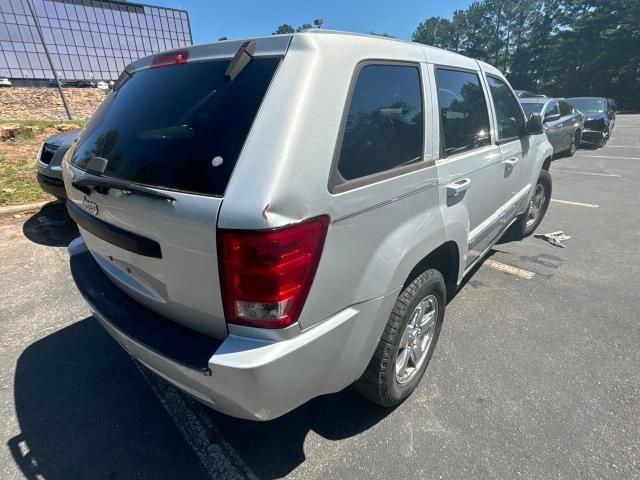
(534, 124)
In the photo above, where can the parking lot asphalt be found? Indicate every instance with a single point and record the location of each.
(536, 373)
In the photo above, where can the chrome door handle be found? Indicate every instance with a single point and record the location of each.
(456, 188)
(511, 162)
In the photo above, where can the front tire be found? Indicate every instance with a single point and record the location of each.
(538, 205)
(407, 343)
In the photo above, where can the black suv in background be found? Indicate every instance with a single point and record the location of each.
(599, 118)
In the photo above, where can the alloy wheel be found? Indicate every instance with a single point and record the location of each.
(536, 205)
(416, 339)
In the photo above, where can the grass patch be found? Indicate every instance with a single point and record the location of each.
(42, 124)
(18, 183)
(27, 134)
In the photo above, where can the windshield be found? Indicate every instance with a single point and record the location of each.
(588, 105)
(179, 127)
(530, 108)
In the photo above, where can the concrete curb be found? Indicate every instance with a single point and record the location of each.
(16, 209)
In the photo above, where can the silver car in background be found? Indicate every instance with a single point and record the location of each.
(270, 220)
(563, 124)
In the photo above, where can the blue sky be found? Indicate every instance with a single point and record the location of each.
(211, 19)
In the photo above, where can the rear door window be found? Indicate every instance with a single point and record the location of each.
(384, 127)
(464, 117)
(508, 112)
(178, 127)
(565, 109)
(552, 109)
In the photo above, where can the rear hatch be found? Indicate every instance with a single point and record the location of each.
(147, 176)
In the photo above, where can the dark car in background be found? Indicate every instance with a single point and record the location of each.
(599, 118)
(49, 162)
(562, 123)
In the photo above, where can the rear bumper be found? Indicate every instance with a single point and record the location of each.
(244, 377)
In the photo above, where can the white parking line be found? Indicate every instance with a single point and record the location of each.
(609, 156)
(621, 146)
(578, 204)
(217, 457)
(503, 267)
(585, 173)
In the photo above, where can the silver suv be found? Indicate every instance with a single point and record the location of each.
(271, 220)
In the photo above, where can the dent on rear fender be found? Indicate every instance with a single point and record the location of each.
(273, 216)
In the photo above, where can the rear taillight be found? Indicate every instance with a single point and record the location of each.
(266, 274)
(172, 58)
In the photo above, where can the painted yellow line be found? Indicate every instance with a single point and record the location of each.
(503, 267)
(577, 204)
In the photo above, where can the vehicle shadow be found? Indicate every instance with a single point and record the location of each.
(51, 226)
(85, 412)
(275, 448)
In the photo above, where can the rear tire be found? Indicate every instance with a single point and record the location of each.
(538, 205)
(573, 148)
(407, 343)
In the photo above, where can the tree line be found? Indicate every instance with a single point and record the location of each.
(561, 48)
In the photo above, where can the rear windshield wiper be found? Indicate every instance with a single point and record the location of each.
(240, 60)
(104, 184)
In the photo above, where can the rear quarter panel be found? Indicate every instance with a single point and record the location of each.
(378, 232)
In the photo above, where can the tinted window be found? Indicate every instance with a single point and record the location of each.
(589, 105)
(530, 108)
(164, 126)
(508, 111)
(552, 109)
(565, 108)
(384, 125)
(463, 111)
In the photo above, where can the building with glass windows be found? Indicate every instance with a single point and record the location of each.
(89, 40)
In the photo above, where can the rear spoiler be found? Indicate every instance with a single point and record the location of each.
(272, 46)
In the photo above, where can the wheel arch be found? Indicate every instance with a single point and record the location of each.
(445, 259)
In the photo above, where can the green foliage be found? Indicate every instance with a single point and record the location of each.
(381, 34)
(284, 28)
(558, 47)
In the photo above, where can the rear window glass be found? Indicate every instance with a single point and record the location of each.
(588, 105)
(179, 127)
(384, 125)
(530, 108)
(565, 108)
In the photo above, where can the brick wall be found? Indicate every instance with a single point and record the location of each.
(17, 103)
